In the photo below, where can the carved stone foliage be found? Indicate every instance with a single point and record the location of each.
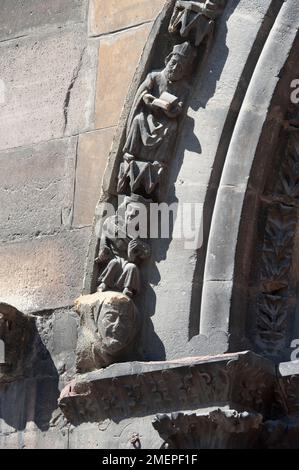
(16, 335)
(287, 395)
(255, 387)
(109, 322)
(218, 429)
(273, 306)
(287, 390)
(281, 429)
(243, 381)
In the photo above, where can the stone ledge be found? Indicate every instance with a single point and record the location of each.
(140, 389)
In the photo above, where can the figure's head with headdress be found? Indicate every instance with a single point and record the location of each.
(180, 61)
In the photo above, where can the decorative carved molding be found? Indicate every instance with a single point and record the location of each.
(282, 430)
(275, 286)
(136, 389)
(287, 390)
(218, 429)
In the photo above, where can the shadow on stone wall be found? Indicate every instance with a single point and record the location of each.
(29, 394)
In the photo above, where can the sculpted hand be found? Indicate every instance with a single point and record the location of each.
(175, 112)
(148, 99)
(138, 250)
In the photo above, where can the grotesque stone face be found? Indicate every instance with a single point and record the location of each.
(108, 327)
(116, 323)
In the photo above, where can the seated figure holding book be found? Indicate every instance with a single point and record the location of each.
(153, 122)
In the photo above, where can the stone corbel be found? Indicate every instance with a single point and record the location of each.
(109, 324)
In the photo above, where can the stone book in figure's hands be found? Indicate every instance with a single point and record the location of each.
(167, 101)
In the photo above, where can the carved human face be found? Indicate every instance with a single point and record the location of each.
(116, 325)
(174, 69)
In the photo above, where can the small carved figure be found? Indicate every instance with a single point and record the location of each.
(108, 326)
(152, 124)
(120, 252)
(196, 16)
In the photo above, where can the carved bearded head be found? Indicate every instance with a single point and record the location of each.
(116, 322)
(109, 324)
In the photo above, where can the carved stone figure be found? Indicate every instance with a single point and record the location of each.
(196, 18)
(120, 252)
(109, 322)
(152, 124)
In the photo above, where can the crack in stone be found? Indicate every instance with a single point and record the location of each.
(69, 90)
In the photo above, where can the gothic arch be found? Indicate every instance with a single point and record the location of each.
(254, 193)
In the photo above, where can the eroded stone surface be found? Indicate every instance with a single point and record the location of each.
(43, 273)
(36, 188)
(20, 18)
(111, 15)
(93, 151)
(49, 89)
(118, 58)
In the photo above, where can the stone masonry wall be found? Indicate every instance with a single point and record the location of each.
(65, 68)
